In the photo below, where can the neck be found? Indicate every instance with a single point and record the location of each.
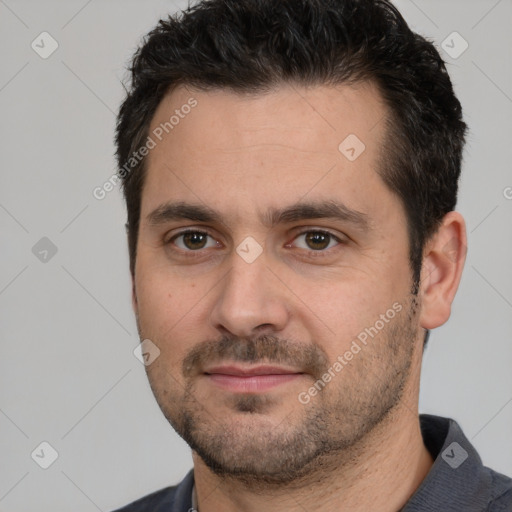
(381, 473)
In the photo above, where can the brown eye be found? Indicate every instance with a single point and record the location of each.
(317, 240)
(192, 240)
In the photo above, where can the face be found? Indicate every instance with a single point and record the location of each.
(272, 274)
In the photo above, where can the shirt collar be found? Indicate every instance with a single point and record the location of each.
(457, 480)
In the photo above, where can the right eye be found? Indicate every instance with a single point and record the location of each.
(191, 240)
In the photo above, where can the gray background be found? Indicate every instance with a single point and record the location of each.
(68, 375)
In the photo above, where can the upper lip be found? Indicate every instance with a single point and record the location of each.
(254, 370)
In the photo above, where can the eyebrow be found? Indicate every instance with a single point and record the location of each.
(325, 209)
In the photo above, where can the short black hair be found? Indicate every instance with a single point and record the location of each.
(253, 46)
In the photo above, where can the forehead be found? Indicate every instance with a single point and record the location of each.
(231, 150)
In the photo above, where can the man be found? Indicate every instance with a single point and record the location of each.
(290, 171)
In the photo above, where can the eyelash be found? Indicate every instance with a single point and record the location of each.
(198, 252)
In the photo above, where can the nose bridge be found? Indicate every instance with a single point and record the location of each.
(249, 296)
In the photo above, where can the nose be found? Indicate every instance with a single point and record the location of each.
(250, 300)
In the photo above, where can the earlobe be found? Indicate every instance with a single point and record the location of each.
(443, 262)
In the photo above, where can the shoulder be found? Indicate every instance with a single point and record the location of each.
(176, 498)
(458, 478)
(502, 492)
(154, 502)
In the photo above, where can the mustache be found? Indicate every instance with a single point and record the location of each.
(308, 358)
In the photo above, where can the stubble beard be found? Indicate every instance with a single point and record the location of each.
(311, 440)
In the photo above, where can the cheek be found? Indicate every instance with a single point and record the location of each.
(157, 304)
(159, 295)
(153, 296)
(168, 311)
(338, 309)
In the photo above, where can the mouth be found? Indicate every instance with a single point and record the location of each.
(250, 379)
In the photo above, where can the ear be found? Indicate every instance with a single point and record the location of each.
(443, 261)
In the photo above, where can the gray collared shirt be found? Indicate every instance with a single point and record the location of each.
(457, 482)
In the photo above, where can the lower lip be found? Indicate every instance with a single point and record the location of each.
(251, 383)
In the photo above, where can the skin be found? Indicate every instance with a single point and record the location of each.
(242, 156)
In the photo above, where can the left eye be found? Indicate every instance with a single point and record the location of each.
(318, 240)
